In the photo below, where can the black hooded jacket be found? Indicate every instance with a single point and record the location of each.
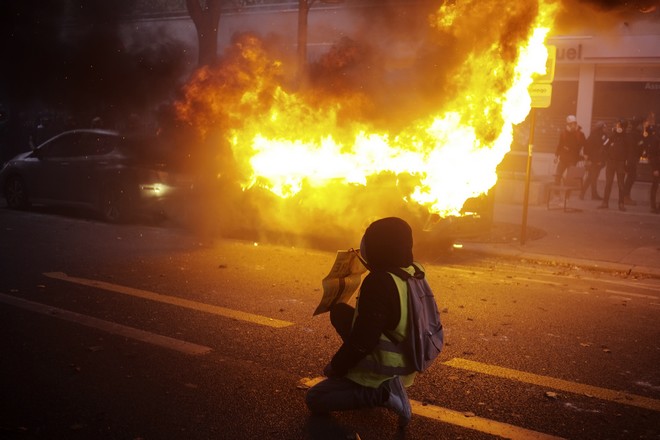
(387, 243)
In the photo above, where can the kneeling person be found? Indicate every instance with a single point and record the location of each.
(363, 373)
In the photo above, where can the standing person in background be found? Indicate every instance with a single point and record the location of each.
(652, 149)
(571, 143)
(635, 148)
(615, 158)
(594, 151)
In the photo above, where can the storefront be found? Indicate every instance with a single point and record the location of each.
(605, 78)
(598, 79)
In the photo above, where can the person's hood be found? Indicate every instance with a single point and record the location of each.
(387, 243)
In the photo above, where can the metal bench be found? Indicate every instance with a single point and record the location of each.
(572, 181)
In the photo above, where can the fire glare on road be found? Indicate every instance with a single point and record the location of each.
(330, 145)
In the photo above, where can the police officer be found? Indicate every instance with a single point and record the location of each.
(652, 149)
(615, 158)
(571, 143)
(593, 155)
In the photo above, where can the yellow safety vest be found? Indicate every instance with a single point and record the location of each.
(386, 360)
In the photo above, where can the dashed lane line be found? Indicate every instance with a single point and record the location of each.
(481, 424)
(107, 326)
(530, 280)
(620, 397)
(463, 271)
(145, 294)
(636, 295)
(457, 418)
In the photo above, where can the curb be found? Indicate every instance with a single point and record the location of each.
(629, 269)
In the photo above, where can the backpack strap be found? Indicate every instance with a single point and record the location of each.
(419, 274)
(405, 276)
(400, 273)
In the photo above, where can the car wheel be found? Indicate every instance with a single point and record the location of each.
(114, 206)
(16, 193)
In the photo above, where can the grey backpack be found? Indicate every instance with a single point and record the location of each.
(425, 336)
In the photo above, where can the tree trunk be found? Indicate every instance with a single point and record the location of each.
(303, 11)
(206, 21)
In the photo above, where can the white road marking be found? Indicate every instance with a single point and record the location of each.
(107, 326)
(530, 280)
(145, 294)
(636, 295)
(476, 423)
(630, 284)
(621, 397)
(464, 271)
(578, 292)
(481, 424)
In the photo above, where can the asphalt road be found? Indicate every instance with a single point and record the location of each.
(143, 332)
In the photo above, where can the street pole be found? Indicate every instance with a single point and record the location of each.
(540, 92)
(530, 146)
(303, 12)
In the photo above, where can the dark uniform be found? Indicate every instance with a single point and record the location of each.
(652, 149)
(594, 150)
(635, 149)
(571, 143)
(615, 160)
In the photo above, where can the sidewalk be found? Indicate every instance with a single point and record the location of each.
(588, 237)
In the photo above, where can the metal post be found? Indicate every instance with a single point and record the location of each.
(303, 12)
(530, 146)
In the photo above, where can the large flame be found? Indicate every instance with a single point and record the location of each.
(309, 143)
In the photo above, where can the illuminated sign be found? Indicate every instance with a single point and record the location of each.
(541, 95)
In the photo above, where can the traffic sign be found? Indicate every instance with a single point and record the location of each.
(541, 95)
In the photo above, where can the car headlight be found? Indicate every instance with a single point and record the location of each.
(154, 189)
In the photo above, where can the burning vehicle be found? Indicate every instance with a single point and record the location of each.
(408, 120)
(350, 143)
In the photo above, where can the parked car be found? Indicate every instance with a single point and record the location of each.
(117, 176)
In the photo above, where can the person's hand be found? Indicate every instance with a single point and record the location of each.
(656, 173)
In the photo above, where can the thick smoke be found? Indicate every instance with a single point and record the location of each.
(409, 67)
(606, 16)
(392, 60)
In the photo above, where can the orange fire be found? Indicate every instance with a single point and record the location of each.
(319, 148)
